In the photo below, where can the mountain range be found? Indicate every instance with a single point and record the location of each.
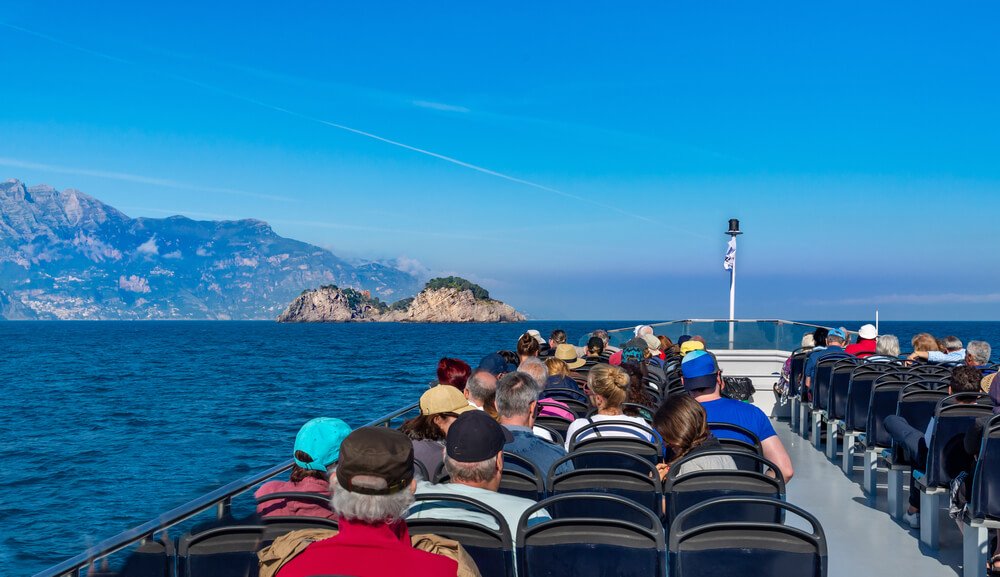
(66, 255)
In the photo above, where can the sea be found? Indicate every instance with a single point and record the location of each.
(105, 425)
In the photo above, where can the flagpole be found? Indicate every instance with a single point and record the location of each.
(733, 232)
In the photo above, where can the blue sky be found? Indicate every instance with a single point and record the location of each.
(592, 151)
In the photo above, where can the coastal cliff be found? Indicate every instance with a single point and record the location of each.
(449, 300)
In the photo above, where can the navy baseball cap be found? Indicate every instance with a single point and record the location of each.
(496, 365)
(699, 370)
(474, 437)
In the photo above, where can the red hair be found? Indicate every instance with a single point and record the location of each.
(453, 372)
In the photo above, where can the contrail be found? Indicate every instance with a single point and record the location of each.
(359, 132)
(126, 177)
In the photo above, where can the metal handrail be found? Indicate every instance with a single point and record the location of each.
(218, 498)
(682, 321)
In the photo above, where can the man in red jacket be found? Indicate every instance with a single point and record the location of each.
(374, 486)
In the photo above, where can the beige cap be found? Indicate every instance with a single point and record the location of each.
(444, 399)
(652, 343)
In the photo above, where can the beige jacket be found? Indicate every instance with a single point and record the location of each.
(286, 547)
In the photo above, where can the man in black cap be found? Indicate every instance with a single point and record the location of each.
(372, 491)
(474, 460)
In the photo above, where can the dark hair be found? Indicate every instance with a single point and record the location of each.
(527, 346)
(819, 335)
(682, 423)
(423, 427)
(511, 357)
(595, 346)
(665, 342)
(453, 372)
(636, 391)
(301, 473)
(559, 336)
(965, 379)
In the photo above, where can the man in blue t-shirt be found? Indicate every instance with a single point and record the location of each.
(701, 378)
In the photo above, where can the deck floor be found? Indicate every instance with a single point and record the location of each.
(863, 540)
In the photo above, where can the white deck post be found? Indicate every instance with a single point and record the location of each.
(805, 409)
(793, 413)
(847, 464)
(831, 439)
(817, 426)
(930, 506)
(870, 482)
(975, 539)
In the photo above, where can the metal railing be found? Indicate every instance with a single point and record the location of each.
(743, 334)
(220, 499)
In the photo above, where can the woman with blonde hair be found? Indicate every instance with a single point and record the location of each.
(924, 342)
(682, 423)
(608, 388)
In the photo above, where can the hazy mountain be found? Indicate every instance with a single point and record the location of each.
(67, 255)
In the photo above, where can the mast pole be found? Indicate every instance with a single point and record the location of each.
(733, 232)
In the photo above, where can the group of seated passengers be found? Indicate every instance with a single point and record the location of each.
(971, 373)
(463, 431)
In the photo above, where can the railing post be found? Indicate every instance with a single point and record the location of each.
(223, 508)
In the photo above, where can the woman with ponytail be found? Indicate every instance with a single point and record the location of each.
(608, 389)
(682, 423)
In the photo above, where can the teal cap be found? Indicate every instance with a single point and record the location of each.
(319, 440)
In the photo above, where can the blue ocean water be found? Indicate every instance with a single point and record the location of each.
(107, 424)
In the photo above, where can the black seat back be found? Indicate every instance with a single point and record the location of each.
(638, 481)
(954, 415)
(556, 423)
(916, 404)
(738, 549)
(491, 548)
(557, 437)
(747, 443)
(225, 551)
(840, 383)
(984, 501)
(685, 491)
(795, 374)
(928, 370)
(583, 546)
(579, 408)
(821, 383)
(883, 402)
(632, 443)
(521, 478)
(859, 393)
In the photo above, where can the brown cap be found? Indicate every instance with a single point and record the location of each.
(377, 452)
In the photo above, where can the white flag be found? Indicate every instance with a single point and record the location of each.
(730, 261)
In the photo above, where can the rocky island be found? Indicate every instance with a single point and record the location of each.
(443, 300)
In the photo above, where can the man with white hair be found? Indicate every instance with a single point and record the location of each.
(977, 354)
(373, 489)
(955, 354)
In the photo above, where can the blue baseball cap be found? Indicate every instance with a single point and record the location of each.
(837, 333)
(319, 441)
(699, 370)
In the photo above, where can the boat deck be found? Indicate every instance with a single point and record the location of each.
(862, 540)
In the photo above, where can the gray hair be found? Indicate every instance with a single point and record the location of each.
(832, 337)
(887, 345)
(980, 352)
(535, 368)
(480, 472)
(603, 335)
(370, 508)
(952, 343)
(515, 393)
(481, 385)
